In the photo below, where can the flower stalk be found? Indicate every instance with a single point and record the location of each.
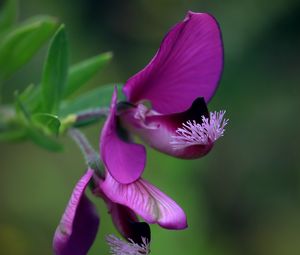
(92, 114)
(91, 156)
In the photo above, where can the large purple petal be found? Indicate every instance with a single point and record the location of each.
(79, 224)
(125, 161)
(187, 65)
(147, 201)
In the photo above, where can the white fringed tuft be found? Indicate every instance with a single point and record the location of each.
(193, 133)
(121, 247)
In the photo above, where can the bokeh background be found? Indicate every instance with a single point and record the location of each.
(244, 197)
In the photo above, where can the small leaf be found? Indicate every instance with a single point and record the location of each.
(21, 109)
(27, 92)
(97, 98)
(80, 73)
(42, 140)
(8, 14)
(31, 98)
(19, 45)
(55, 72)
(48, 122)
(38, 126)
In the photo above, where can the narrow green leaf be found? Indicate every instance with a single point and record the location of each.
(38, 126)
(26, 94)
(31, 98)
(55, 72)
(21, 109)
(8, 14)
(48, 122)
(99, 97)
(19, 45)
(42, 140)
(82, 72)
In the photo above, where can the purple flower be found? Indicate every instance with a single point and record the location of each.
(178, 83)
(79, 224)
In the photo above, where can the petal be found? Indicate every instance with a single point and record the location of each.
(128, 225)
(159, 130)
(124, 160)
(147, 201)
(187, 65)
(79, 224)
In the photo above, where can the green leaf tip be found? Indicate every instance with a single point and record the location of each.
(82, 72)
(49, 123)
(19, 45)
(94, 99)
(21, 109)
(44, 141)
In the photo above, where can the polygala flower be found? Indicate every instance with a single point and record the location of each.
(79, 224)
(166, 106)
(177, 84)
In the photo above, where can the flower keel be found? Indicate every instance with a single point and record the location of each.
(145, 200)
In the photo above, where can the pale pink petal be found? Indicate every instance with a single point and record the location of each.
(147, 201)
(187, 65)
(79, 224)
(124, 160)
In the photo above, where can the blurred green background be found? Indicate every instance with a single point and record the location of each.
(244, 197)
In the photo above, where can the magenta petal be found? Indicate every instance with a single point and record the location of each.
(125, 161)
(79, 224)
(187, 65)
(147, 201)
(159, 130)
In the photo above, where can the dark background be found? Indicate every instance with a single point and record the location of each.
(244, 197)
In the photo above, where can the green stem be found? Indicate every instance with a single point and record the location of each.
(91, 156)
(92, 114)
(83, 118)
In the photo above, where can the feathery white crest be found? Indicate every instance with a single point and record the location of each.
(193, 133)
(121, 247)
